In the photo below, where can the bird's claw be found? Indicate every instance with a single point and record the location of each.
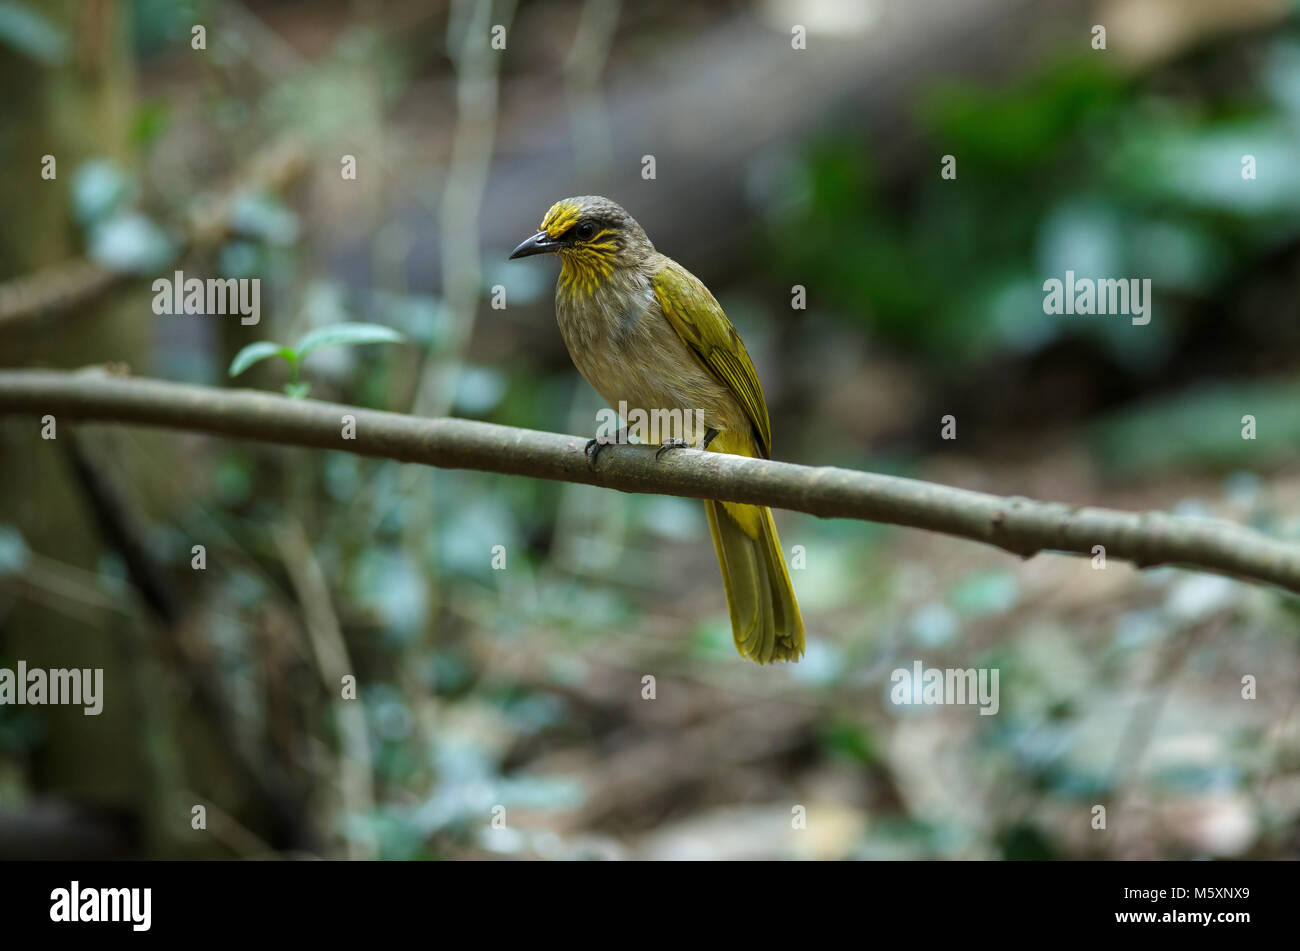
(592, 451)
(597, 443)
(669, 444)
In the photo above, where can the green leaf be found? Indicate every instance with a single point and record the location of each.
(256, 352)
(347, 333)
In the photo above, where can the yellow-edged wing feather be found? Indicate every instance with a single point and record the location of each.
(702, 325)
(765, 619)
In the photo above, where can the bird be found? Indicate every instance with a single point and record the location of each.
(647, 334)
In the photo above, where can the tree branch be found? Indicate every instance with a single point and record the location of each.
(1017, 525)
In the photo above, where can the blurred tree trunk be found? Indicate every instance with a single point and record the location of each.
(74, 105)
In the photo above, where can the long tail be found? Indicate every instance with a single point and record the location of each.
(765, 619)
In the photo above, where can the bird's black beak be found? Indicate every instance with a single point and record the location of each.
(539, 243)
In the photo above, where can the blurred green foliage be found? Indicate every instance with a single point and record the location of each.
(29, 32)
(1201, 429)
(1073, 167)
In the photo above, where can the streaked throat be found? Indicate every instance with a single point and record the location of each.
(582, 270)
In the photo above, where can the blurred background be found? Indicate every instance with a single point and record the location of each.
(516, 693)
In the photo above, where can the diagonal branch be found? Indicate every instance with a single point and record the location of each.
(1018, 525)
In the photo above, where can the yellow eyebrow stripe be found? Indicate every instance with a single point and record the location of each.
(559, 219)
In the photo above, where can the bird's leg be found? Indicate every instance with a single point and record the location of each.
(674, 443)
(597, 443)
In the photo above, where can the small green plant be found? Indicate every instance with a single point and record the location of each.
(346, 333)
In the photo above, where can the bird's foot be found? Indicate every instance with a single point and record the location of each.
(597, 443)
(670, 444)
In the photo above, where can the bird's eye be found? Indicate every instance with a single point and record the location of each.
(585, 231)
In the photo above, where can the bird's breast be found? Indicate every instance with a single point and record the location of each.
(606, 331)
(621, 342)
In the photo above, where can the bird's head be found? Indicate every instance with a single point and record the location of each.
(592, 235)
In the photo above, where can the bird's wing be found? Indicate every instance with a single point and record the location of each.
(700, 322)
